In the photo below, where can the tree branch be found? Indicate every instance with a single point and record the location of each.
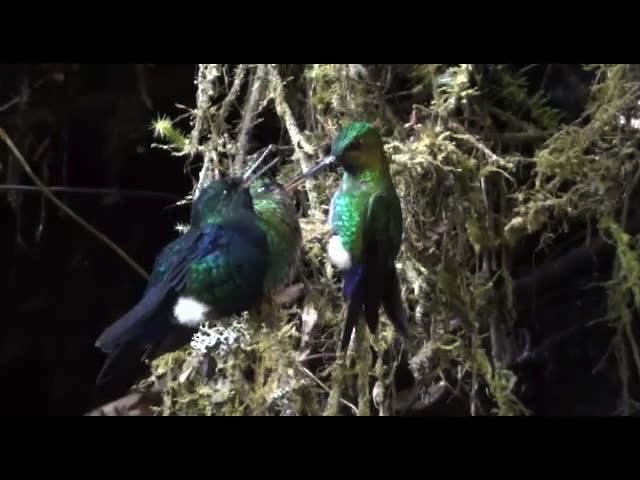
(67, 210)
(249, 111)
(92, 191)
(302, 149)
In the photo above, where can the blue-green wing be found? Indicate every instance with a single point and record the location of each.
(174, 258)
(383, 237)
(383, 229)
(230, 278)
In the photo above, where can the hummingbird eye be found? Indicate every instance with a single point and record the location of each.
(355, 144)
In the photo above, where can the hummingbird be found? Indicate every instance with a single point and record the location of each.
(214, 270)
(365, 216)
(276, 216)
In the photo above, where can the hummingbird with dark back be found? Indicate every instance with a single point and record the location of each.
(276, 215)
(366, 219)
(215, 270)
(243, 245)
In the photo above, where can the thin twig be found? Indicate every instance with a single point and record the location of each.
(240, 74)
(628, 194)
(464, 135)
(45, 176)
(261, 172)
(142, 86)
(133, 404)
(11, 103)
(634, 346)
(283, 109)
(66, 209)
(302, 150)
(92, 191)
(326, 389)
(317, 356)
(363, 354)
(207, 74)
(257, 163)
(621, 353)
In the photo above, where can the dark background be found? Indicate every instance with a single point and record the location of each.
(60, 286)
(59, 289)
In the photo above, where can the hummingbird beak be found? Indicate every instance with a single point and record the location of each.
(296, 182)
(246, 175)
(249, 180)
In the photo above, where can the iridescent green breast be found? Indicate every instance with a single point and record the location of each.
(279, 220)
(349, 212)
(348, 215)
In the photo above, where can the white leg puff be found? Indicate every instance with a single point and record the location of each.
(338, 255)
(190, 312)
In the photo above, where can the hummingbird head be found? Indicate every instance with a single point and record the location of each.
(265, 190)
(358, 147)
(220, 199)
(264, 186)
(239, 193)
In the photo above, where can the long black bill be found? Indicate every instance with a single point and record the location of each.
(296, 182)
(247, 175)
(249, 180)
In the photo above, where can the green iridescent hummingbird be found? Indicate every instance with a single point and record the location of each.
(366, 219)
(278, 219)
(214, 270)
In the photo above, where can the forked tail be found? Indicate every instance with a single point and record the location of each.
(127, 339)
(365, 290)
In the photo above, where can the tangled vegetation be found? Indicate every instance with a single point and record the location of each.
(481, 163)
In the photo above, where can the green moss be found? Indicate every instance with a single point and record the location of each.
(466, 207)
(164, 129)
(628, 258)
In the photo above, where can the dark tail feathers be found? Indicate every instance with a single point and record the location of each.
(365, 293)
(133, 334)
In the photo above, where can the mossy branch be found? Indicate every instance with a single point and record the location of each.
(303, 150)
(257, 90)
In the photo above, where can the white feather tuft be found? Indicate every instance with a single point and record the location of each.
(190, 312)
(338, 255)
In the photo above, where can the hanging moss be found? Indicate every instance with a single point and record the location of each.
(467, 207)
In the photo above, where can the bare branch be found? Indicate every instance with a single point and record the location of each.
(92, 191)
(326, 389)
(54, 76)
(241, 73)
(302, 149)
(66, 209)
(207, 75)
(251, 107)
(133, 404)
(142, 86)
